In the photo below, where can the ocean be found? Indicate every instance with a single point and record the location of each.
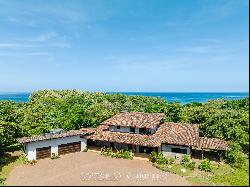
(169, 96)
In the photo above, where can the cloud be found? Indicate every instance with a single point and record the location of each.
(212, 40)
(43, 40)
(25, 54)
(14, 45)
(42, 37)
(200, 49)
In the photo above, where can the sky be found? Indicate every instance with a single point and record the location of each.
(124, 45)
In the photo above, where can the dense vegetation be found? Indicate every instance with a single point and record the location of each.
(202, 172)
(126, 154)
(72, 109)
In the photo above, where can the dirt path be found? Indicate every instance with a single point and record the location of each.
(91, 169)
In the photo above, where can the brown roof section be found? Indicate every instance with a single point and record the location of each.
(49, 136)
(103, 134)
(178, 134)
(168, 133)
(136, 119)
(212, 143)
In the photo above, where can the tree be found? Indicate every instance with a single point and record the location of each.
(8, 134)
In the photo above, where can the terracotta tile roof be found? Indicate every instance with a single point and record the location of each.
(136, 119)
(49, 136)
(136, 139)
(212, 143)
(178, 134)
(169, 133)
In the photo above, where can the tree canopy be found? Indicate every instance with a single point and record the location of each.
(73, 109)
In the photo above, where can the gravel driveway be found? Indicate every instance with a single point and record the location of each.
(89, 168)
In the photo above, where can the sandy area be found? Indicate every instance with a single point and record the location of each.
(89, 168)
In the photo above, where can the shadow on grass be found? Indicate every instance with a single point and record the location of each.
(6, 159)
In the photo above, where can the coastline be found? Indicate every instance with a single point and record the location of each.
(182, 97)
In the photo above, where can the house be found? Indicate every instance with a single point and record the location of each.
(145, 132)
(57, 142)
(137, 131)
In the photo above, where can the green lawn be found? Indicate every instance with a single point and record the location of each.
(222, 174)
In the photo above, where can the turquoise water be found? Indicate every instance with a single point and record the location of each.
(169, 96)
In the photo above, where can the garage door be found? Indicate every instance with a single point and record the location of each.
(69, 148)
(44, 152)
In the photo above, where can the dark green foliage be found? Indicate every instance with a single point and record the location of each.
(54, 156)
(8, 134)
(221, 119)
(170, 160)
(153, 156)
(161, 159)
(235, 157)
(2, 179)
(187, 163)
(158, 158)
(205, 165)
(126, 154)
(185, 159)
(73, 109)
(106, 151)
(191, 165)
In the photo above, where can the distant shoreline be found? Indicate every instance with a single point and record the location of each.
(182, 97)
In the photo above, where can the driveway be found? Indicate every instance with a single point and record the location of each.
(89, 168)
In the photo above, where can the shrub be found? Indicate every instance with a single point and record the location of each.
(205, 165)
(171, 160)
(54, 156)
(32, 162)
(185, 159)
(153, 156)
(2, 161)
(106, 151)
(23, 158)
(191, 165)
(2, 179)
(187, 162)
(235, 157)
(161, 159)
(126, 154)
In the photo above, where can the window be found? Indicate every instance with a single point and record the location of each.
(132, 129)
(118, 127)
(179, 150)
(144, 131)
(201, 134)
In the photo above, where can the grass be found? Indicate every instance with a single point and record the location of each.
(222, 174)
(8, 161)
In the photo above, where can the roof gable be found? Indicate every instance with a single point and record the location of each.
(135, 119)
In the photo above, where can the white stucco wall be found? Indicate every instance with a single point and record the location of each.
(166, 149)
(32, 146)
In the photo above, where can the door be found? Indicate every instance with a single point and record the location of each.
(44, 152)
(69, 148)
(112, 145)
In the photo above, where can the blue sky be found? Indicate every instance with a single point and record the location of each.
(128, 45)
